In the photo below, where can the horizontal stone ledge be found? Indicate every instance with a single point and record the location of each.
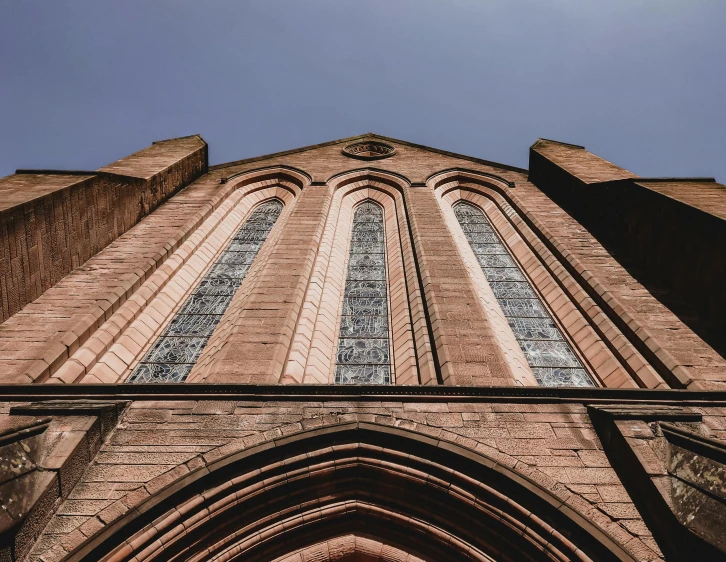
(202, 391)
(23, 429)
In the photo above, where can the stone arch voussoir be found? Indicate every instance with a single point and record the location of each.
(275, 174)
(297, 488)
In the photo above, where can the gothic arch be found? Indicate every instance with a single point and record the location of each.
(349, 548)
(279, 174)
(311, 356)
(396, 181)
(290, 493)
(599, 343)
(110, 354)
(472, 176)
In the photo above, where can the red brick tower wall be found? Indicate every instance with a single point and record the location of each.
(53, 222)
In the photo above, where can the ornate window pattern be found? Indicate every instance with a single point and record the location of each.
(550, 356)
(364, 355)
(176, 351)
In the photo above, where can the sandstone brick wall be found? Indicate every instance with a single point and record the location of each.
(578, 162)
(41, 337)
(159, 442)
(667, 342)
(253, 355)
(468, 353)
(51, 223)
(348, 546)
(94, 288)
(643, 330)
(679, 355)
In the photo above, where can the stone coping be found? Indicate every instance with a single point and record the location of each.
(192, 391)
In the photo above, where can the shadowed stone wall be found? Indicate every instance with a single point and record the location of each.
(671, 230)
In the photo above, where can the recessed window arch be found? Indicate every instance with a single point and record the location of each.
(549, 355)
(364, 344)
(180, 345)
(313, 356)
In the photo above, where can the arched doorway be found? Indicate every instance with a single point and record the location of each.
(430, 499)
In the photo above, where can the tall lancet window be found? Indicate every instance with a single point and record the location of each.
(364, 355)
(550, 356)
(176, 351)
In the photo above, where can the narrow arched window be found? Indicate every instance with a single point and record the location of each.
(550, 356)
(364, 355)
(176, 351)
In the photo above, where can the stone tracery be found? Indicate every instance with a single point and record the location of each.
(369, 150)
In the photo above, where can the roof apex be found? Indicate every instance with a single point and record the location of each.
(368, 136)
(542, 140)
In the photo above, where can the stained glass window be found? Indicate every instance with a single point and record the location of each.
(173, 355)
(550, 356)
(364, 346)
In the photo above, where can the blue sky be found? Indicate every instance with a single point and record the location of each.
(639, 82)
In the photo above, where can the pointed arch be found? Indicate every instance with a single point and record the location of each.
(393, 179)
(276, 174)
(363, 354)
(291, 492)
(608, 355)
(110, 354)
(312, 354)
(445, 177)
(178, 348)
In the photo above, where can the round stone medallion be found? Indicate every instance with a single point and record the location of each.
(369, 150)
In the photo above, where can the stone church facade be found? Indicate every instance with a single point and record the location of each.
(364, 350)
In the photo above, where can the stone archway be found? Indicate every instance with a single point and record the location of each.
(431, 499)
(350, 548)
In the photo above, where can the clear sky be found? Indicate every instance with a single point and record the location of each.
(639, 82)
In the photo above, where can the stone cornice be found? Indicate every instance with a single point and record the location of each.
(190, 391)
